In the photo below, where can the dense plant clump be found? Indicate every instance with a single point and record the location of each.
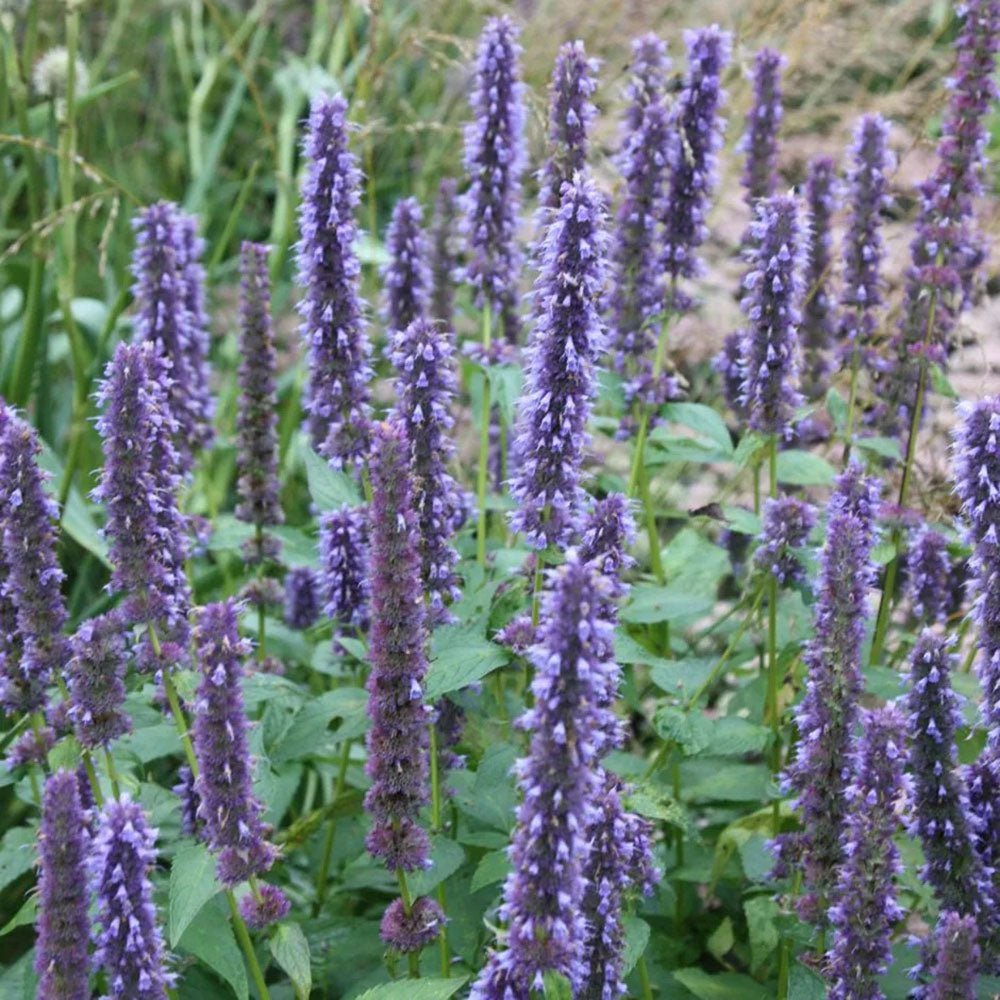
(535, 633)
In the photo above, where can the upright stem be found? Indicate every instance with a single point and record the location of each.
(772, 643)
(852, 403)
(412, 957)
(331, 830)
(484, 445)
(436, 825)
(643, 970)
(649, 514)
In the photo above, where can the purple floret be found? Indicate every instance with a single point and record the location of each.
(406, 276)
(787, 523)
(96, 681)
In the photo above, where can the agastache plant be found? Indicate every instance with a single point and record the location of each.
(138, 489)
(343, 546)
(28, 518)
(256, 418)
(61, 951)
(494, 161)
(546, 930)
(866, 907)
(760, 140)
(567, 339)
(338, 393)
(406, 275)
(928, 569)
(96, 681)
(444, 253)
(829, 710)
(787, 523)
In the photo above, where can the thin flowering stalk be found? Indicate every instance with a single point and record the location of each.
(760, 141)
(567, 340)
(866, 908)
(494, 161)
(406, 275)
(96, 681)
(928, 570)
(827, 714)
(61, 951)
(227, 805)
(130, 946)
(256, 419)
(343, 545)
(337, 399)
(138, 489)
(423, 356)
(818, 315)
(444, 253)
(33, 584)
(544, 894)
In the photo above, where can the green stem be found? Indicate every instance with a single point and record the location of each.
(643, 970)
(851, 404)
(331, 830)
(649, 514)
(412, 957)
(638, 457)
(95, 785)
(436, 825)
(772, 644)
(243, 936)
(112, 773)
(482, 476)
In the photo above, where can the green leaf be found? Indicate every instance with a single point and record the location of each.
(704, 421)
(25, 915)
(707, 779)
(17, 854)
(460, 655)
(682, 677)
(492, 868)
(762, 915)
(670, 447)
(882, 446)
(65, 755)
(940, 382)
(636, 939)
(741, 520)
(722, 939)
(192, 885)
(803, 468)
(505, 390)
(691, 731)
(655, 803)
(210, 939)
(309, 731)
(836, 407)
(695, 565)
(733, 736)
(651, 604)
(150, 743)
(329, 489)
(491, 797)
(446, 858)
(555, 986)
(291, 951)
(750, 450)
(726, 986)
(77, 520)
(415, 989)
(804, 984)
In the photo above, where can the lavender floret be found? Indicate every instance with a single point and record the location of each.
(928, 569)
(302, 601)
(96, 680)
(406, 276)
(787, 523)
(343, 546)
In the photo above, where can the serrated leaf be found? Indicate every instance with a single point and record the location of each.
(308, 732)
(25, 915)
(492, 868)
(65, 755)
(882, 446)
(505, 390)
(722, 939)
(724, 986)
(77, 520)
(762, 914)
(211, 940)
(446, 858)
(940, 382)
(691, 731)
(17, 854)
(682, 677)
(556, 986)
(460, 655)
(803, 468)
(415, 989)
(751, 449)
(704, 421)
(836, 406)
(804, 984)
(192, 885)
(291, 951)
(329, 489)
(651, 604)
(636, 939)
(741, 520)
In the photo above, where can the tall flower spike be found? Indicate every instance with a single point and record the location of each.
(494, 160)
(867, 199)
(760, 141)
(956, 964)
(941, 816)
(787, 523)
(228, 807)
(829, 710)
(570, 113)
(406, 276)
(637, 287)
(28, 519)
(444, 253)
(977, 482)
(772, 303)
(165, 289)
(130, 945)
(693, 151)
(343, 546)
(816, 332)
(544, 894)
(928, 570)
(138, 489)
(866, 907)
(61, 958)
(422, 355)
(96, 680)
(398, 762)
(728, 364)
(257, 413)
(568, 337)
(338, 393)
(302, 602)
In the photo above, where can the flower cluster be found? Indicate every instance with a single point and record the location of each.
(760, 141)
(406, 275)
(343, 546)
(928, 570)
(302, 599)
(96, 681)
(787, 523)
(444, 253)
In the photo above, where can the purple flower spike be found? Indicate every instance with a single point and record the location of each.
(760, 141)
(257, 413)
(570, 113)
(338, 394)
(568, 337)
(406, 277)
(728, 364)
(191, 823)
(787, 523)
(272, 906)
(956, 965)
(31, 588)
(771, 303)
(408, 932)
(228, 807)
(423, 356)
(343, 546)
(138, 490)
(816, 332)
(444, 253)
(693, 155)
(130, 946)
(96, 679)
(829, 710)
(928, 572)
(167, 286)
(61, 958)
(494, 160)
(941, 815)
(866, 907)
(560, 779)
(637, 286)
(398, 741)
(608, 531)
(868, 197)
(301, 597)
